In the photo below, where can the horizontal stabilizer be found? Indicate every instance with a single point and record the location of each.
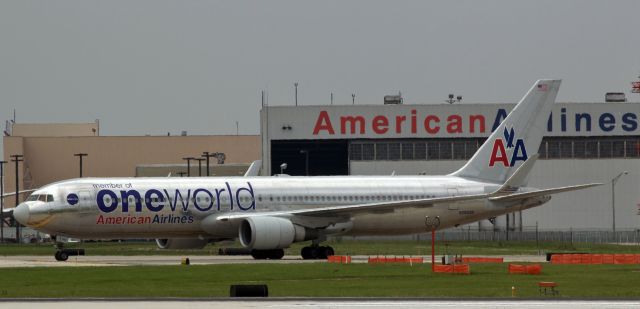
(520, 177)
(536, 193)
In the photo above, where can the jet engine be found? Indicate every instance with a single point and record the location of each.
(265, 233)
(181, 243)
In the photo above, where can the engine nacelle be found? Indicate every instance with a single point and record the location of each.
(264, 233)
(181, 243)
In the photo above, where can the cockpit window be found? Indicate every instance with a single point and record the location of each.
(40, 197)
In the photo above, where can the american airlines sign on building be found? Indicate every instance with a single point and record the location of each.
(440, 121)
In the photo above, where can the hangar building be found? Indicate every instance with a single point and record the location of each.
(48, 153)
(584, 143)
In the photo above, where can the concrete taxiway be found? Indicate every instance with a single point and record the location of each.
(113, 260)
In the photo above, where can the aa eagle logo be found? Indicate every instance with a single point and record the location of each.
(500, 153)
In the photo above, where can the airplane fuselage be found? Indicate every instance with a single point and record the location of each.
(114, 208)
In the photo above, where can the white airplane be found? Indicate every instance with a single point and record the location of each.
(268, 214)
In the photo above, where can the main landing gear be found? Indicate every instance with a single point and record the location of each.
(316, 252)
(273, 254)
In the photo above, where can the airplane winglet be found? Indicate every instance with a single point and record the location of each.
(254, 168)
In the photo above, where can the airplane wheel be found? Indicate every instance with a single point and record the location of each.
(274, 254)
(258, 254)
(324, 252)
(277, 254)
(329, 251)
(61, 256)
(309, 253)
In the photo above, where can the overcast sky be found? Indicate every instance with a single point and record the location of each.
(152, 67)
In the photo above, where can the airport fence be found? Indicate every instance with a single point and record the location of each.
(527, 234)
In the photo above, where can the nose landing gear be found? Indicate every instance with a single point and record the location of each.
(63, 254)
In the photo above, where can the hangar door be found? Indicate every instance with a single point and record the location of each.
(325, 157)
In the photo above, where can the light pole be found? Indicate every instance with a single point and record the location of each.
(208, 155)
(188, 159)
(614, 180)
(2, 163)
(306, 161)
(80, 155)
(199, 166)
(296, 86)
(17, 159)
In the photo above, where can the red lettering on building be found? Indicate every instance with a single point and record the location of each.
(399, 121)
(353, 121)
(473, 119)
(380, 124)
(323, 123)
(427, 124)
(414, 124)
(401, 124)
(454, 124)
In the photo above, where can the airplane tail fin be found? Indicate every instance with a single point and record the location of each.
(516, 139)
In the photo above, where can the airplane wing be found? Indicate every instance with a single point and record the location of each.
(336, 211)
(349, 210)
(19, 192)
(536, 193)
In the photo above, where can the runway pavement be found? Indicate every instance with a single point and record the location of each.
(113, 260)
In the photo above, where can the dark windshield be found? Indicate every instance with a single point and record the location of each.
(40, 197)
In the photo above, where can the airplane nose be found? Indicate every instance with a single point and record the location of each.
(21, 213)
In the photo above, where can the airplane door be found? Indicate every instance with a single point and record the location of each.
(453, 192)
(86, 202)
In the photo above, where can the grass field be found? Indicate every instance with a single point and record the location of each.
(360, 247)
(317, 280)
(320, 279)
